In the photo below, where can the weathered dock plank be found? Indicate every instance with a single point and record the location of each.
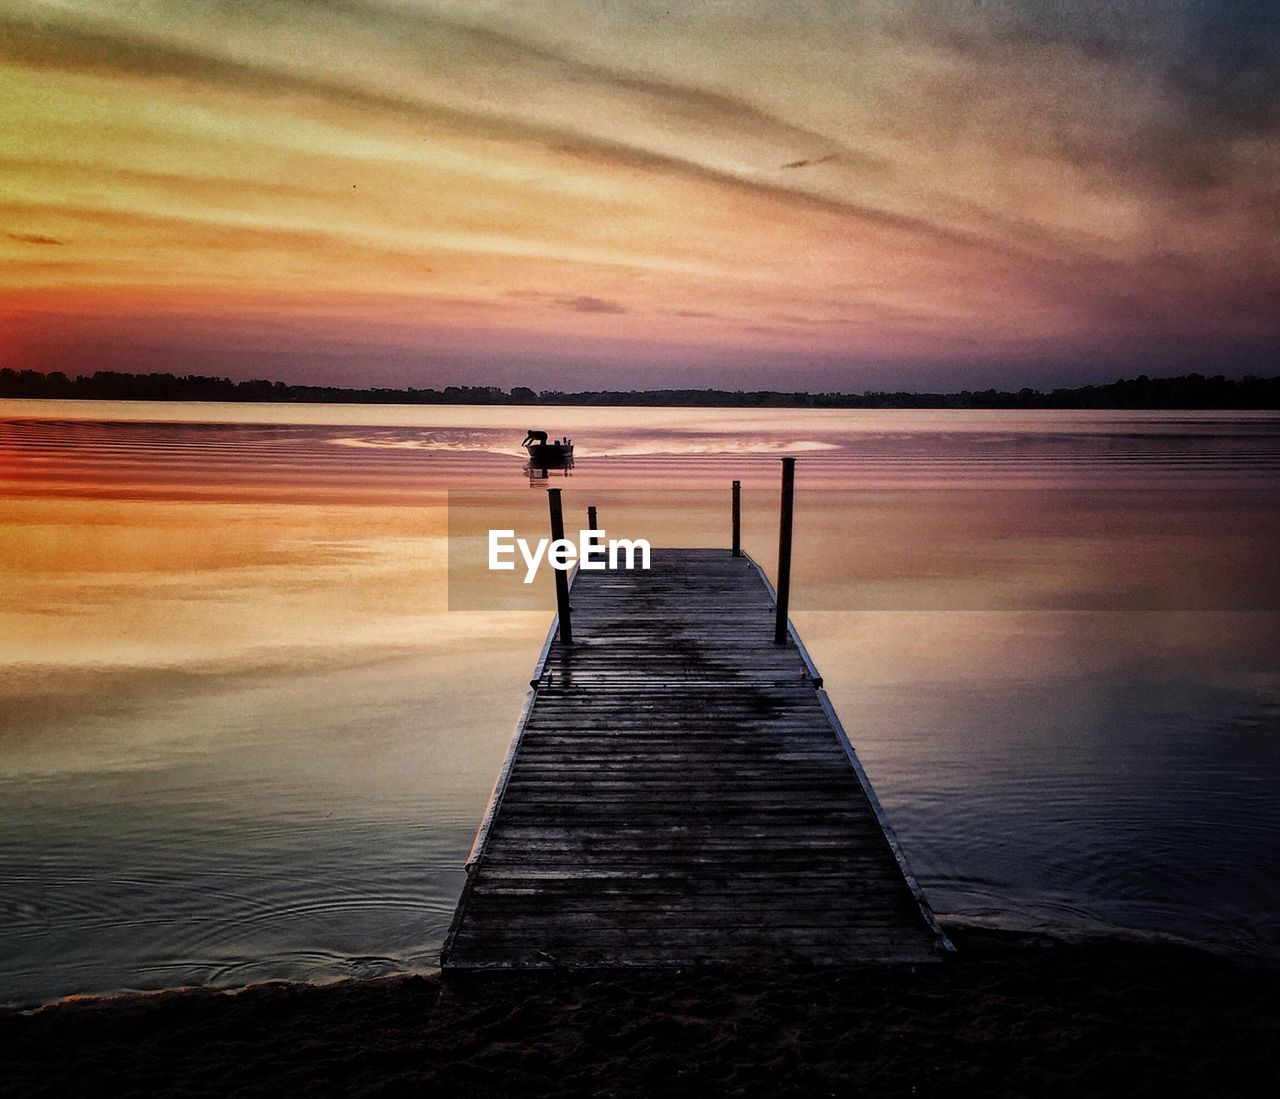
(680, 791)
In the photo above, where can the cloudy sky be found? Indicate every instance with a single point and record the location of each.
(624, 193)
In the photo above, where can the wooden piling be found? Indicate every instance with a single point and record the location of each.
(737, 518)
(565, 627)
(784, 550)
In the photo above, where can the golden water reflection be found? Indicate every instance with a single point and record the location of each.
(249, 718)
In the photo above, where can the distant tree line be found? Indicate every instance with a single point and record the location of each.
(112, 385)
(1185, 391)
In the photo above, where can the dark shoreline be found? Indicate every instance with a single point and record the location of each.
(1185, 392)
(1010, 1015)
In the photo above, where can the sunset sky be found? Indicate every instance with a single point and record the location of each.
(619, 193)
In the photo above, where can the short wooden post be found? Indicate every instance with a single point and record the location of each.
(591, 518)
(737, 518)
(784, 549)
(565, 626)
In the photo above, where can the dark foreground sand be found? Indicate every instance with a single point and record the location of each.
(1009, 1016)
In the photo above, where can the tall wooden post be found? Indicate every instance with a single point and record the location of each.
(562, 578)
(737, 518)
(784, 549)
(591, 518)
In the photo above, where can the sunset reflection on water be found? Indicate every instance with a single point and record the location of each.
(248, 725)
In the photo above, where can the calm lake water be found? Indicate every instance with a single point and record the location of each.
(250, 718)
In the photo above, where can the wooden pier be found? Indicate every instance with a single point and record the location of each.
(680, 791)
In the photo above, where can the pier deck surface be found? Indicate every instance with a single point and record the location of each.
(679, 792)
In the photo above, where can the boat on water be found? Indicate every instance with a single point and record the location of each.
(545, 455)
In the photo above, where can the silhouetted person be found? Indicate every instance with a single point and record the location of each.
(539, 437)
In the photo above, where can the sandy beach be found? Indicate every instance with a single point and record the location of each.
(1010, 1015)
